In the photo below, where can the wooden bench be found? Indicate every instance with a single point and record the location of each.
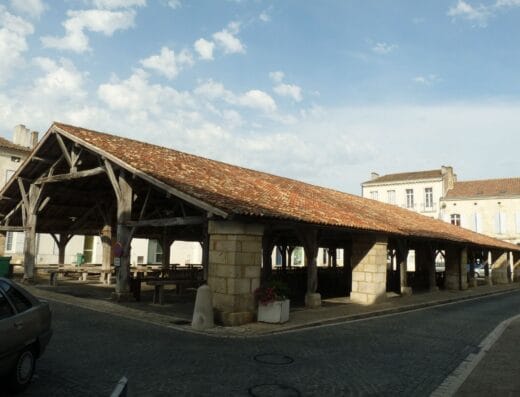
(158, 293)
(82, 272)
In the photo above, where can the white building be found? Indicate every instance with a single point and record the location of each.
(417, 191)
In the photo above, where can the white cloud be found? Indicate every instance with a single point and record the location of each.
(384, 48)
(137, 94)
(426, 80)
(277, 76)
(204, 48)
(227, 40)
(478, 15)
(174, 4)
(13, 42)
(33, 8)
(212, 90)
(289, 90)
(100, 21)
(168, 63)
(61, 79)
(264, 17)
(113, 4)
(257, 99)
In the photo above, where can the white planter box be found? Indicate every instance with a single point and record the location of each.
(274, 312)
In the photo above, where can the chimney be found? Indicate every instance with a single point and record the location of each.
(449, 178)
(34, 139)
(22, 136)
(374, 175)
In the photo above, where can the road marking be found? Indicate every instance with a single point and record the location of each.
(454, 381)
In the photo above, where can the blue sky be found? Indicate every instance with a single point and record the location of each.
(325, 92)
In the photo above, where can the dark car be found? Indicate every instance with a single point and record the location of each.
(25, 331)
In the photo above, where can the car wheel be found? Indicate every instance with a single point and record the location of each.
(23, 370)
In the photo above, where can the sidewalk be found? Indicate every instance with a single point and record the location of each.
(498, 373)
(178, 310)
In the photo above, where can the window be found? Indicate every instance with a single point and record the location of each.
(20, 302)
(15, 159)
(500, 223)
(391, 196)
(5, 307)
(428, 197)
(409, 198)
(9, 241)
(373, 195)
(158, 253)
(88, 249)
(455, 219)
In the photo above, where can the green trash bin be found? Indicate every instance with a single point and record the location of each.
(80, 259)
(5, 266)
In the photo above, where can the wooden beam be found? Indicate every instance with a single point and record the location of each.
(113, 180)
(71, 176)
(44, 203)
(7, 198)
(177, 221)
(12, 228)
(13, 210)
(23, 193)
(41, 159)
(64, 150)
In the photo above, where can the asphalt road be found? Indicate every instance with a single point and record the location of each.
(408, 354)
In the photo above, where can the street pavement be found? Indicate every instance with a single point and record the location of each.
(405, 354)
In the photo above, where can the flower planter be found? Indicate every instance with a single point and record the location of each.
(274, 312)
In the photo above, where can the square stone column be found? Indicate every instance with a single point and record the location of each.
(456, 272)
(234, 269)
(516, 266)
(499, 268)
(369, 257)
(425, 266)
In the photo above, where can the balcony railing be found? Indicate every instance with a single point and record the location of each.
(422, 207)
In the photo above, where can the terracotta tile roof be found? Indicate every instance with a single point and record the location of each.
(406, 176)
(238, 190)
(485, 188)
(5, 143)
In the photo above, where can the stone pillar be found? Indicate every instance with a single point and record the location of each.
(499, 267)
(106, 259)
(516, 266)
(402, 264)
(347, 265)
(369, 256)
(2, 243)
(425, 262)
(235, 257)
(456, 272)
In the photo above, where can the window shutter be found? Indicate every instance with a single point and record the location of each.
(497, 223)
(503, 223)
(478, 223)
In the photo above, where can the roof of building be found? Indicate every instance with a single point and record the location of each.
(5, 143)
(407, 176)
(241, 191)
(485, 188)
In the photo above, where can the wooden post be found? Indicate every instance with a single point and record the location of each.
(61, 241)
(2, 243)
(310, 246)
(290, 250)
(124, 213)
(166, 244)
(267, 251)
(347, 265)
(333, 256)
(106, 260)
(30, 203)
(283, 252)
(402, 263)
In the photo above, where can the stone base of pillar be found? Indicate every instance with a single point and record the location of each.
(232, 319)
(488, 280)
(122, 296)
(366, 299)
(405, 291)
(312, 300)
(28, 281)
(433, 289)
(472, 283)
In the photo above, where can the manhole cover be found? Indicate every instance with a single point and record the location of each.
(273, 358)
(180, 322)
(273, 390)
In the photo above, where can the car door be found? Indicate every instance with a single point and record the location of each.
(25, 322)
(9, 338)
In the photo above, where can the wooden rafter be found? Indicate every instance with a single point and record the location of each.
(64, 150)
(176, 221)
(71, 176)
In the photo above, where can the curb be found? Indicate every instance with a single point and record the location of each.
(238, 332)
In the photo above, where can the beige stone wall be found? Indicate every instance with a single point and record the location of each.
(235, 256)
(456, 269)
(369, 256)
(499, 268)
